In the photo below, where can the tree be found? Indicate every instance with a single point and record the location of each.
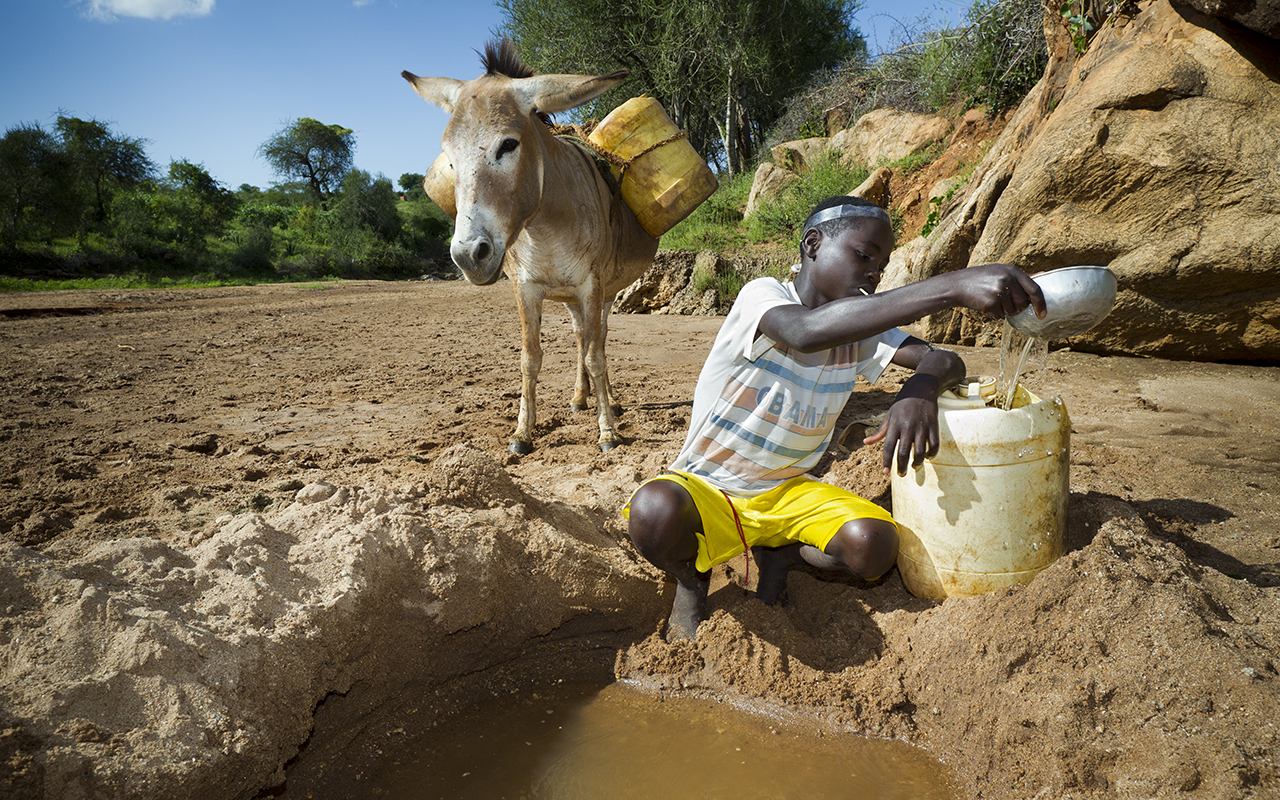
(409, 180)
(310, 151)
(369, 203)
(411, 185)
(102, 163)
(35, 175)
(723, 71)
(218, 202)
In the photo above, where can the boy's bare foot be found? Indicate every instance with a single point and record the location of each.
(774, 564)
(689, 609)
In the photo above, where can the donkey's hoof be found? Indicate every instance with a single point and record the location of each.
(577, 406)
(520, 448)
(606, 446)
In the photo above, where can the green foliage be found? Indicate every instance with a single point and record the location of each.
(717, 223)
(936, 205)
(727, 283)
(1078, 24)
(411, 185)
(102, 164)
(781, 217)
(312, 152)
(993, 59)
(157, 230)
(723, 71)
(34, 173)
(129, 281)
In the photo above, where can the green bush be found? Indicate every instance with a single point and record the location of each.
(781, 217)
(717, 223)
(992, 60)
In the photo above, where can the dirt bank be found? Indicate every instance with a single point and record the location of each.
(221, 507)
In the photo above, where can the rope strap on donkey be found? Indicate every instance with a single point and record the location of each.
(583, 133)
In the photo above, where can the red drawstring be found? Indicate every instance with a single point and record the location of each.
(746, 551)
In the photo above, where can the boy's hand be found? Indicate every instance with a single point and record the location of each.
(911, 427)
(999, 290)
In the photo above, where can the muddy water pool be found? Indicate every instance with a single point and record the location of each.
(583, 742)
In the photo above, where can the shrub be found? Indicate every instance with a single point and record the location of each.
(781, 217)
(993, 59)
(717, 223)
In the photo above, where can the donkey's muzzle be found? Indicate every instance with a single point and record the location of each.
(478, 258)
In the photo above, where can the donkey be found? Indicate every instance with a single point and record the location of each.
(537, 207)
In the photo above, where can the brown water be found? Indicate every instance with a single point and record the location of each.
(581, 742)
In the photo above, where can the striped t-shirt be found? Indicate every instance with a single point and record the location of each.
(762, 412)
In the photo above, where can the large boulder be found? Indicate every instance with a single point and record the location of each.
(769, 182)
(876, 188)
(800, 154)
(1262, 16)
(885, 135)
(1155, 154)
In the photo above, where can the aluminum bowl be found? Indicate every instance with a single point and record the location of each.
(1076, 298)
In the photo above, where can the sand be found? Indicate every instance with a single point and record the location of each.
(235, 521)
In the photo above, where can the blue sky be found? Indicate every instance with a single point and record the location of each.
(210, 80)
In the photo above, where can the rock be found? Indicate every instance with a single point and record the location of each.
(1263, 17)
(836, 119)
(315, 493)
(796, 156)
(656, 288)
(770, 181)
(886, 135)
(699, 297)
(1155, 155)
(876, 187)
(945, 186)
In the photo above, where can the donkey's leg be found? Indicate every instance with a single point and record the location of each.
(529, 302)
(597, 368)
(582, 386)
(614, 406)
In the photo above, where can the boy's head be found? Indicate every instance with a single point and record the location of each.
(835, 215)
(845, 245)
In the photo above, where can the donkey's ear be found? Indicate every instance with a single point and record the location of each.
(441, 91)
(552, 93)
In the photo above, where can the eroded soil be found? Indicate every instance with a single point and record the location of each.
(172, 462)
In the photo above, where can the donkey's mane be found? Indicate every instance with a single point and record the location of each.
(501, 58)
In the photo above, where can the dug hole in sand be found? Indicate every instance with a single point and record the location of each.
(147, 657)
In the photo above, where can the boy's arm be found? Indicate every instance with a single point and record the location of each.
(912, 423)
(995, 289)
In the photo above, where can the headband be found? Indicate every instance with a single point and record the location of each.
(840, 212)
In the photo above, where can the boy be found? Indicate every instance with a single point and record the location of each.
(765, 406)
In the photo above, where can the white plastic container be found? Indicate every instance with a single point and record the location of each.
(990, 509)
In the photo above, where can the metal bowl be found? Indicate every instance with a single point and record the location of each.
(1076, 298)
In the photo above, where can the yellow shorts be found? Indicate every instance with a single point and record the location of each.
(800, 510)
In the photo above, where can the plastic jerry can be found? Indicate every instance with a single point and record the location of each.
(990, 510)
(668, 179)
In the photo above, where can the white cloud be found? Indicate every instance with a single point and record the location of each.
(361, 3)
(148, 9)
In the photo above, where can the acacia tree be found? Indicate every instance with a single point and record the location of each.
(723, 71)
(35, 175)
(102, 163)
(308, 150)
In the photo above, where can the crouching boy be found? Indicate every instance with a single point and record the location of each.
(766, 403)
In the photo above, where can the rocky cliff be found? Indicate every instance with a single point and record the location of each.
(1157, 153)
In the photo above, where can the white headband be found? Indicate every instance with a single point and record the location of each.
(840, 212)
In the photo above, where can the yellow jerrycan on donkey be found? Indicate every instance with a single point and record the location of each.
(990, 509)
(662, 178)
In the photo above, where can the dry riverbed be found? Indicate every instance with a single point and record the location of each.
(229, 517)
